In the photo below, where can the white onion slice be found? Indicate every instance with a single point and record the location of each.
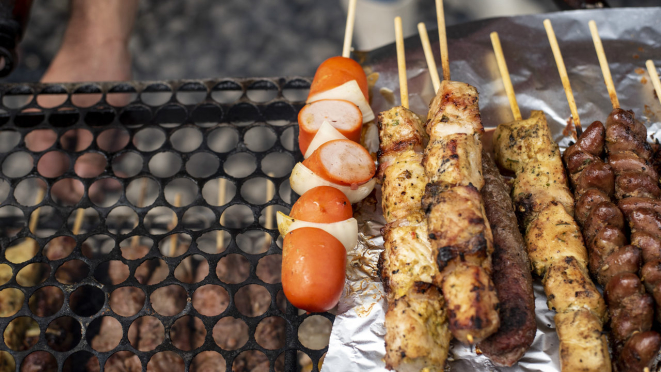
(326, 133)
(345, 231)
(351, 92)
(303, 179)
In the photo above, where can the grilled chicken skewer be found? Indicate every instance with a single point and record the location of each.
(458, 228)
(545, 210)
(417, 335)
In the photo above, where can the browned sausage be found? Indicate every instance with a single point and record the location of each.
(605, 213)
(511, 273)
(626, 259)
(628, 161)
(651, 274)
(631, 184)
(649, 245)
(631, 309)
(608, 240)
(596, 175)
(586, 202)
(639, 351)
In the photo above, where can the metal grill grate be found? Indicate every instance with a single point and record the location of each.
(162, 139)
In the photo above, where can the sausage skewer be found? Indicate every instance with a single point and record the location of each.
(458, 229)
(545, 209)
(613, 262)
(417, 334)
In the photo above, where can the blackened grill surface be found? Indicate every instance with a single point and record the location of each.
(226, 103)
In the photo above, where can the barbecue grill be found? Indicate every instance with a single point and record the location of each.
(244, 131)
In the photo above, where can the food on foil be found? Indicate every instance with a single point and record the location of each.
(545, 209)
(337, 171)
(511, 273)
(313, 269)
(417, 335)
(459, 232)
(613, 261)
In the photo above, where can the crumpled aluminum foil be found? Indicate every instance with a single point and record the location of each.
(630, 36)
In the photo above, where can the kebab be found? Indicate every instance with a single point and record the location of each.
(330, 127)
(458, 229)
(613, 261)
(417, 335)
(545, 209)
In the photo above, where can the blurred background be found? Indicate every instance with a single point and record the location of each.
(191, 39)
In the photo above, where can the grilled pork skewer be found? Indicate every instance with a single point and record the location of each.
(417, 334)
(614, 263)
(545, 209)
(458, 228)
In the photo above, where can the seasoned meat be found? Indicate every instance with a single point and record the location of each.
(511, 274)
(545, 209)
(458, 229)
(417, 335)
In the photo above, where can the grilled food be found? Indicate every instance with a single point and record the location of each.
(417, 334)
(511, 273)
(613, 262)
(545, 208)
(458, 228)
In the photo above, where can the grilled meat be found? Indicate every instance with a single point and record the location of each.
(511, 273)
(417, 335)
(545, 207)
(614, 263)
(458, 229)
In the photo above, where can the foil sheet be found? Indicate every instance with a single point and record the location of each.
(630, 36)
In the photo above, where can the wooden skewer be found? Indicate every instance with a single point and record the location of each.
(220, 236)
(563, 74)
(429, 56)
(141, 202)
(401, 63)
(34, 218)
(348, 31)
(505, 75)
(443, 39)
(270, 192)
(77, 223)
(605, 70)
(173, 237)
(651, 69)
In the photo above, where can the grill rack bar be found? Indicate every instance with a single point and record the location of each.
(240, 104)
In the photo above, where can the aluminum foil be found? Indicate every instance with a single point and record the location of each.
(630, 36)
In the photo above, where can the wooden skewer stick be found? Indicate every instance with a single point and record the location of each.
(401, 63)
(605, 70)
(270, 192)
(429, 56)
(141, 202)
(173, 237)
(443, 39)
(505, 75)
(78, 222)
(651, 69)
(348, 31)
(220, 236)
(34, 218)
(563, 74)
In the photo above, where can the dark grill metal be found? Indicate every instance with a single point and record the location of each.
(260, 113)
